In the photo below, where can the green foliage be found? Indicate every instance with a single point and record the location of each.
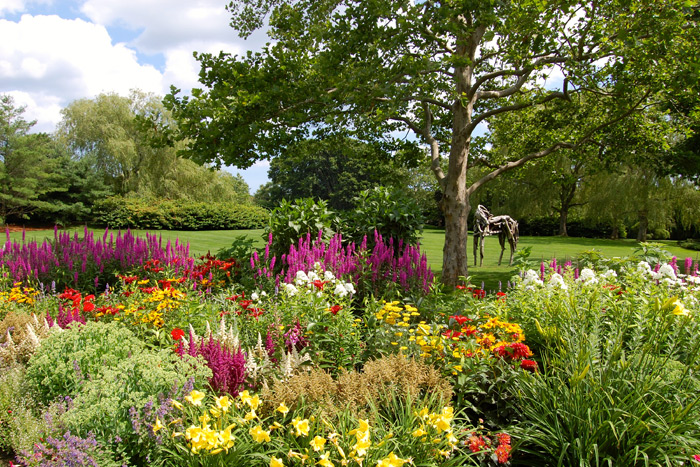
(119, 213)
(19, 427)
(127, 397)
(67, 360)
(291, 221)
(388, 211)
(333, 170)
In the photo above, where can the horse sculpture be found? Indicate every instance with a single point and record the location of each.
(505, 227)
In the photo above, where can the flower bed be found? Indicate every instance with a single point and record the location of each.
(230, 362)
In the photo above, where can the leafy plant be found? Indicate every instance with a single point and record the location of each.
(291, 221)
(68, 360)
(390, 212)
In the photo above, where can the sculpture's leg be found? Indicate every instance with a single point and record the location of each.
(502, 241)
(476, 239)
(481, 250)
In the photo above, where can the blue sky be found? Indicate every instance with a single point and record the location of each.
(53, 52)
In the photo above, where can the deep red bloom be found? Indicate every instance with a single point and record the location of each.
(319, 283)
(461, 287)
(501, 295)
(245, 304)
(335, 309)
(148, 290)
(129, 279)
(88, 306)
(460, 319)
(479, 293)
(529, 365)
(177, 334)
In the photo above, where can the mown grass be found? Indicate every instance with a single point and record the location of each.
(490, 274)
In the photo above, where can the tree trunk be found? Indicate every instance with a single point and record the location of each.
(643, 226)
(455, 203)
(615, 234)
(563, 215)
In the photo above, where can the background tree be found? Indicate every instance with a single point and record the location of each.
(439, 69)
(109, 132)
(334, 170)
(25, 166)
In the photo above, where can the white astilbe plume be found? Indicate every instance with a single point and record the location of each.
(12, 352)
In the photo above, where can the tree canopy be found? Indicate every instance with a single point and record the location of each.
(377, 69)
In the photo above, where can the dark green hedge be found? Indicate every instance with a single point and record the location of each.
(119, 213)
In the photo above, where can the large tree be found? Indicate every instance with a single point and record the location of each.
(25, 164)
(376, 68)
(120, 136)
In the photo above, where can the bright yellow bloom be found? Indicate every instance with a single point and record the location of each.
(224, 403)
(362, 445)
(324, 461)
(157, 426)
(259, 435)
(275, 462)
(195, 397)
(283, 409)
(419, 432)
(317, 443)
(176, 404)
(250, 415)
(301, 427)
(392, 461)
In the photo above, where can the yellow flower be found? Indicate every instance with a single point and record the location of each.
(224, 403)
(195, 397)
(176, 404)
(259, 435)
(301, 427)
(283, 409)
(391, 461)
(275, 462)
(419, 432)
(362, 445)
(250, 415)
(157, 426)
(679, 309)
(324, 461)
(317, 443)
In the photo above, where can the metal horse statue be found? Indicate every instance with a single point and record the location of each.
(486, 224)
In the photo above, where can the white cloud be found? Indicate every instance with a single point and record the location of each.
(11, 6)
(67, 59)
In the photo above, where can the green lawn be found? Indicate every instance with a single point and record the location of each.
(543, 248)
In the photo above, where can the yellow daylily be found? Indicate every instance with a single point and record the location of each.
(275, 462)
(260, 435)
(317, 443)
(195, 397)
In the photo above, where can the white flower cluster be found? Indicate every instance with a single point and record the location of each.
(557, 282)
(531, 279)
(317, 281)
(665, 274)
(587, 276)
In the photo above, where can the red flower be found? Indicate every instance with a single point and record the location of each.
(128, 279)
(245, 304)
(335, 309)
(476, 443)
(479, 293)
(501, 296)
(502, 452)
(529, 365)
(88, 306)
(319, 284)
(460, 319)
(177, 334)
(148, 290)
(461, 287)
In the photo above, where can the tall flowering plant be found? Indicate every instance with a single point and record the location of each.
(86, 263)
